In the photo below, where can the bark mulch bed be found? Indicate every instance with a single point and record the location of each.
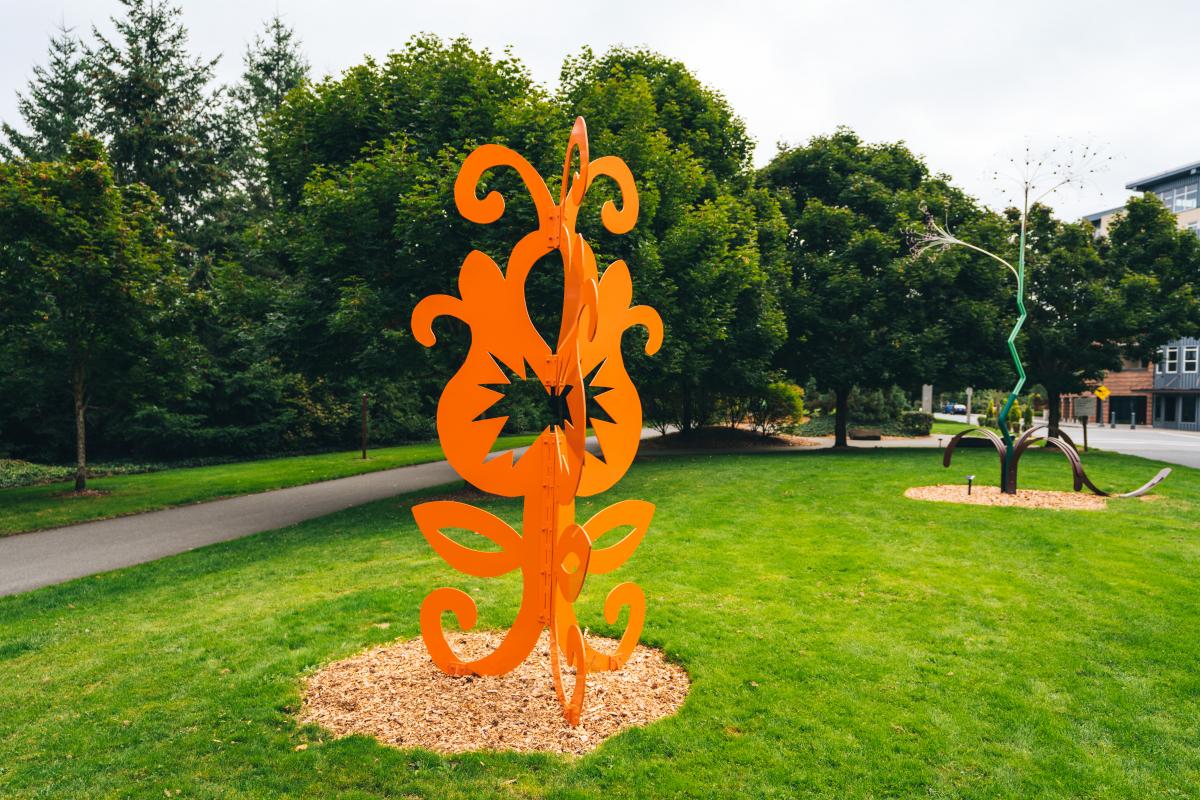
(396, 694)
(1024, 498)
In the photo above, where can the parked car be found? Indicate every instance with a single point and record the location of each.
(954, 408)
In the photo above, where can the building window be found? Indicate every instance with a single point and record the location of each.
(1191, 358)
(1189, 408)
(1158, 407)
(1172, 359)
(1158, 362)
(1169, 409)
(1182, 198)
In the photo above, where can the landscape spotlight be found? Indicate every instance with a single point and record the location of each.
(970, 479)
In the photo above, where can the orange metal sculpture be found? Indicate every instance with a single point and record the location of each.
(553, 551)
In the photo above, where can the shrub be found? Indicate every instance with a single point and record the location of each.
(916, 423)
(781, 404)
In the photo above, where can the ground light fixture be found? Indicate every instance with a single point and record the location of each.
(970, 480)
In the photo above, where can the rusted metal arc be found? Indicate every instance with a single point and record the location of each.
(1150, 484)
(1029, 434)
(1065, 445)
(996, 441)
(1077, 472)
(552, 552)
(993, 438)
(1063, 435)
(1067, 448)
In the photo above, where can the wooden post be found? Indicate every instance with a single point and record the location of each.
(364, 426)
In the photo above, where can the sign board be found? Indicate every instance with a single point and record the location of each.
(1085, 407)
(1102, 392)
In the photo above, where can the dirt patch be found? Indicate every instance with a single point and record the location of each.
(396, 694)
(1024, 498)
(724, 437)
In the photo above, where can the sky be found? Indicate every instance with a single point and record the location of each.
(967, 84)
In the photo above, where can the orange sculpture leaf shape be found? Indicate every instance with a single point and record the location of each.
(553, 552)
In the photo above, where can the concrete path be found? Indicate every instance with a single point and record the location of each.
(41, 558)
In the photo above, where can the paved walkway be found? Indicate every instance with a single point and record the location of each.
(41, 558)
(31, 560)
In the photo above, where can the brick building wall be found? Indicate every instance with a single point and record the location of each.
(1131, 394)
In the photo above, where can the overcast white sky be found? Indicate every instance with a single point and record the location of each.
(963, 83)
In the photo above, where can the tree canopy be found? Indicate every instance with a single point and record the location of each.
(252, 253)
(862, 312)
(86, 277)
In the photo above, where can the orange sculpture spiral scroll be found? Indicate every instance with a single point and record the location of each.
(553, 551)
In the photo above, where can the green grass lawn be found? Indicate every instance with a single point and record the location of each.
(942, 428)
(843, 642)
(30, 508)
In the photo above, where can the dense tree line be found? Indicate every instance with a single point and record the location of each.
(196, 269)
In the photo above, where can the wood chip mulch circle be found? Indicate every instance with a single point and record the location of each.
(1024, 498)
(396, 694)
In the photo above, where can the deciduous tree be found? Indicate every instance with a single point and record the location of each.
(86, 276)
(861, 311)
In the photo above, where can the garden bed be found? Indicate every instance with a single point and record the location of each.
(396, 694)
(992, 496)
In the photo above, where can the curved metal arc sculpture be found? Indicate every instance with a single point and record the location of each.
(1010, 459)
(553, 552)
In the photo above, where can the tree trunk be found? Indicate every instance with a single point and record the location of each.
(1053, 411)
(685, 417)
(80, 388)
(841, 419)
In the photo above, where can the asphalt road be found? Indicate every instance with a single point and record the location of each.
(1173, 447)
(1161, 444)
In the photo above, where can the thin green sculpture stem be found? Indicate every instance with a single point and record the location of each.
(1012, 348)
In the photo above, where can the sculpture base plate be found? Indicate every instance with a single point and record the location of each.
(396, 694)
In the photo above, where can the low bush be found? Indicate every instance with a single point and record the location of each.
(916, 423)
(781, 405)
(14, 472)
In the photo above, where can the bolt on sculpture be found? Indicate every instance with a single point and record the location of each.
(553, 552)
(1010, 450)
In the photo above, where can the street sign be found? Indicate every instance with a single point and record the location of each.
(1085, 407)
(1102, 392)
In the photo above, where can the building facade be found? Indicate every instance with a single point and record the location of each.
(1131, 401)
(1179, 189)
(1177, 385)
(1165, 393)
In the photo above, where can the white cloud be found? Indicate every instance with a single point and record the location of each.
(964, 83)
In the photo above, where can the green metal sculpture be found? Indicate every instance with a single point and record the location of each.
(1036, 184)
